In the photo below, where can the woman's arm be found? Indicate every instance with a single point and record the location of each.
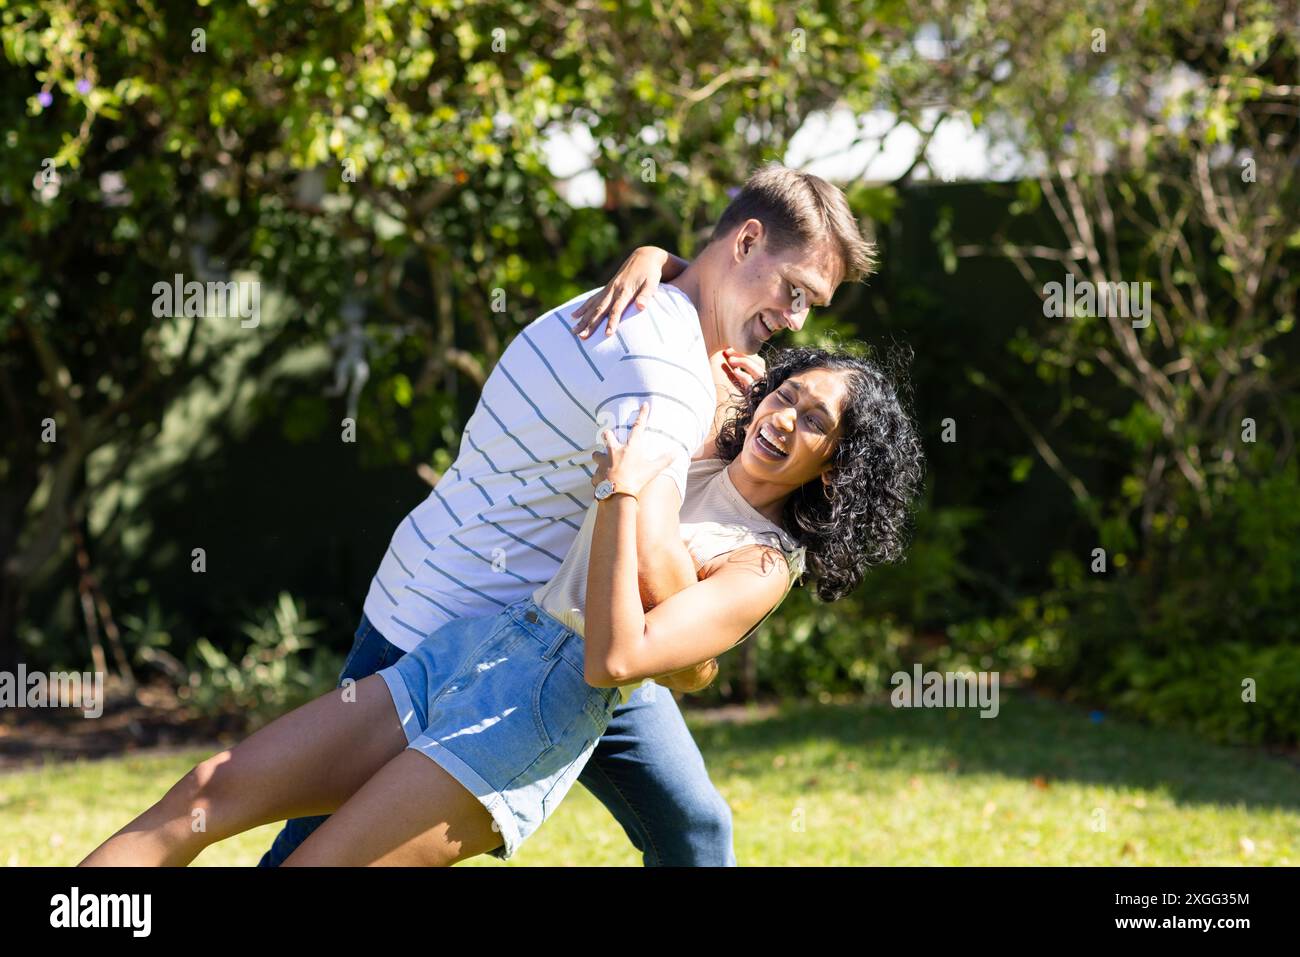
(665, 567)
(623, 641)
(613, 614)
(637, 278)
(625, 644)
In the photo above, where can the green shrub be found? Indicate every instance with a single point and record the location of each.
(1203, 689)
(279, 669)
(1211, 604)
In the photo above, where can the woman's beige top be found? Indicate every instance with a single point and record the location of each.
(715, 519)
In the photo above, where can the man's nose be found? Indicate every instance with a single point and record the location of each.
(795, 318)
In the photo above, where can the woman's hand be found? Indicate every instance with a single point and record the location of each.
(637, 279)
(629, 466)
(692, 679)
(743, 370)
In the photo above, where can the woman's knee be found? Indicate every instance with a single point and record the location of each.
(197, 797)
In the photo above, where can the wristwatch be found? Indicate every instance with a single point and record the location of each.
(606, 489)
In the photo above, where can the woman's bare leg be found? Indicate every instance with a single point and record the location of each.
(410, 813)
(307, 762)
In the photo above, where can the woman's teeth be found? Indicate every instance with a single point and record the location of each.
(768, 444)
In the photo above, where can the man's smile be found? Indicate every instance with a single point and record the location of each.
(765, 328)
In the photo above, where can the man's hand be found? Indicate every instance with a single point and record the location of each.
(695, 678)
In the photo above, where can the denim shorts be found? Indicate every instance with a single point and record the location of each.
(501, 705)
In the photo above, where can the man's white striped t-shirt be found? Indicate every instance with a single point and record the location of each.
(500, 521)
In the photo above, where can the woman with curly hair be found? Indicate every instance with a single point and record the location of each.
(856, 517)
(815, 472)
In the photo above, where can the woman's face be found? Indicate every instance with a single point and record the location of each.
(795, 428)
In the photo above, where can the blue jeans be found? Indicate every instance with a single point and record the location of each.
(646, 769)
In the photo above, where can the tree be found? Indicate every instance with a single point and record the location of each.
(386, 159)
(1167, 142)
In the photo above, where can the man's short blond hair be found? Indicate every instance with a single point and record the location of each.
(800, 209)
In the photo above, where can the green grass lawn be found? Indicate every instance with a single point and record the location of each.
(836, 784)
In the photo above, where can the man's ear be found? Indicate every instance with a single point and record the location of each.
(748, 237)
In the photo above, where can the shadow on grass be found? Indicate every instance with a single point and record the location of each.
(1031, 737)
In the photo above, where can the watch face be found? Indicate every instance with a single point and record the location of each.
(604, 490)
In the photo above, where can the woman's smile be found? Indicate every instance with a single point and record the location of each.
(770, 442)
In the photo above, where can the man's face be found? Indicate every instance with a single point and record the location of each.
(764, 292)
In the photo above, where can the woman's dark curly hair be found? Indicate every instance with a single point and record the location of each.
(862, 518)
